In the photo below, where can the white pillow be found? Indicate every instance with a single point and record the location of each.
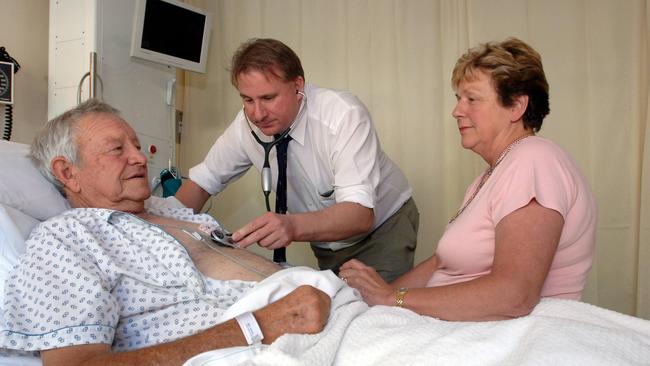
(22, 224)
(15, 227)
(23, 187)
(25, 198)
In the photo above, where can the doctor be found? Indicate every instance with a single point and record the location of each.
(343, 193)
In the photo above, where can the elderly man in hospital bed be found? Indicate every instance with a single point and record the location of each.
(118, 280)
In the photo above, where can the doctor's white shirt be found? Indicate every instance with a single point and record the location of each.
(334, 156)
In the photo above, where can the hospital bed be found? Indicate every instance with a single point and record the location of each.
(557, 332)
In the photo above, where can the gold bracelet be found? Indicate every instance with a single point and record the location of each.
(399, 297)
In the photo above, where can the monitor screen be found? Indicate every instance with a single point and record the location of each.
(171, 33)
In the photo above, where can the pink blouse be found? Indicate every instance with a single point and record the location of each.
(534, 168)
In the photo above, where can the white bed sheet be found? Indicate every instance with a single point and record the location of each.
(558, 332)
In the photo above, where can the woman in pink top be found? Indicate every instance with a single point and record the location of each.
(527, 224)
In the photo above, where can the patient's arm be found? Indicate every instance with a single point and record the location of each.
(304, 310)
(221, 263)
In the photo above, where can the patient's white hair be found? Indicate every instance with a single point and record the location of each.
(59, 137)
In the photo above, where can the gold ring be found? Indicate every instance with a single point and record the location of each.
(344, 279)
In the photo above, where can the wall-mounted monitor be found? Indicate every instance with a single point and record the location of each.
(171, 33)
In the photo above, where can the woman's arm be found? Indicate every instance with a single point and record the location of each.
(366, 277)
(418, 276)
(526, 242)
(375, 290)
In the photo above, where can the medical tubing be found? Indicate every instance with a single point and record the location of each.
(266, 201)
(9, 116)
(266, 179)
(267, 146)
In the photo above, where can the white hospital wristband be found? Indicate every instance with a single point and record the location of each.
(250, 328)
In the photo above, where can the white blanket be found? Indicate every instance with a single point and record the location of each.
(291, 349)
(558, 332)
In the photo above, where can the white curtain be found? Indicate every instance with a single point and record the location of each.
(643, 259)
(397, 56)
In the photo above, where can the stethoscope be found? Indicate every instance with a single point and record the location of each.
(267, 146)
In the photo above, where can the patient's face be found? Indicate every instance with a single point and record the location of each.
(270, 103)
(112, 172)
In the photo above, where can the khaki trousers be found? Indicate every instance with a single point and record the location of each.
(389, 249)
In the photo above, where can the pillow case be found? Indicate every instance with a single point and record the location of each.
(15, 227)
(23, 187)
(26, 198)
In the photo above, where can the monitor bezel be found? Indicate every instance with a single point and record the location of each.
(166, 59)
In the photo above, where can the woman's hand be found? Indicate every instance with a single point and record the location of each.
(373, 288)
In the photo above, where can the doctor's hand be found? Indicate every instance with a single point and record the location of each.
(373, 288)
(270, 231)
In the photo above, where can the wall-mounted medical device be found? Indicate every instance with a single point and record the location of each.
(6, 82)
(8, 67)
(171, 33)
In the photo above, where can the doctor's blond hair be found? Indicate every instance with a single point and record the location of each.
(59, 138)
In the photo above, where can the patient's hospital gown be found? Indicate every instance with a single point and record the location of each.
(102, 276)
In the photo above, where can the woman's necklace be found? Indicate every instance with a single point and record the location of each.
(488, 173)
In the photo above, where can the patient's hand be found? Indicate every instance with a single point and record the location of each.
(304, 310)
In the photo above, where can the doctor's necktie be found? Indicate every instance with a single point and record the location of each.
(279, 255)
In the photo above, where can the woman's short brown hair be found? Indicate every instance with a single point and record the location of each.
(268, 56)
(515, 69)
